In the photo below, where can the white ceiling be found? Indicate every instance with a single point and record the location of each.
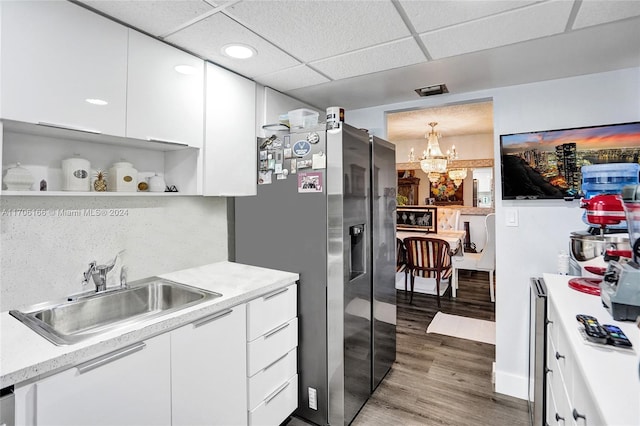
(453, 120)
(359, 53)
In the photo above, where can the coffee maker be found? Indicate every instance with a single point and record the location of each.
(620, 288)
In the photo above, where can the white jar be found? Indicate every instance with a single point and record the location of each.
(18, 179)
(122, 177)
(76, 174)
(157, 183)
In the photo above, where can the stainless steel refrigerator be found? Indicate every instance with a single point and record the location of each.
(325, 209)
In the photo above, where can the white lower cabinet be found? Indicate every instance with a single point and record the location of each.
(569, 401)
(208, 359)
(272, 340)
(117, 389)
(208, 372)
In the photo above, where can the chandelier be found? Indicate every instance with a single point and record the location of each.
(457, 176)
(433, 160)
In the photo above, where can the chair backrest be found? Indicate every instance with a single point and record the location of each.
(448, 218)
(401, 254)
(487, 259)
(428, 257)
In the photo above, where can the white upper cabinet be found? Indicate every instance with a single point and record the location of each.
(57, 58)
(230, 162)
(165, 93)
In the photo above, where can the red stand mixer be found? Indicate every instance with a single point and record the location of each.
(592, 249)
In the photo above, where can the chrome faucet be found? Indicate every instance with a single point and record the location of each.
(99, 274)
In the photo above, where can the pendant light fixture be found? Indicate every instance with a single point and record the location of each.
(433, 160)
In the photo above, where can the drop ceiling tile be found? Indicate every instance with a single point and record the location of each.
(153, 17)
(312, 29)
(292, 78)
(378, 58)
(540, 20)
(427, 16)
(593, 12)
(207, 37)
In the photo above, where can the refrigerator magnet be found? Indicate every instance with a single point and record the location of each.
(319, 161)
(301, 148)
(292, 166)
(310, 182)
(287, 153)
(304, 164)
(264, 178)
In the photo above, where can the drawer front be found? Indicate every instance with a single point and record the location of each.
(557, 406)
(269, 379)
(275, 408)
(269, 347)
(267, 312)
(583, 409)
(553, 322)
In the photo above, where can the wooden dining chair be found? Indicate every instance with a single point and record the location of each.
(428, 258)
(401, 261)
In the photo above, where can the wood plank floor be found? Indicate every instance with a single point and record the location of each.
(441, 380)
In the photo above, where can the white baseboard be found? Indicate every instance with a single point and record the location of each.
(512, 385)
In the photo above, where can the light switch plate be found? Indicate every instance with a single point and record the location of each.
(511, 217)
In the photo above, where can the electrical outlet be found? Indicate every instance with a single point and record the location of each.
(313, 399)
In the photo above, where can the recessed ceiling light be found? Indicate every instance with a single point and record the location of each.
(436, 89)
(238, 51)
(100, 102)
(185, 69)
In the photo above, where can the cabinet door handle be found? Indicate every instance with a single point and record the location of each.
(558, 356)
(167, 142)
(273, 363)
(275, 293)
(577, 415)
(110, 357)
(276, 393)
(548, 370)
(277, 330)
(558, 418)
(211, 318)
(66, 127)
(549, 322)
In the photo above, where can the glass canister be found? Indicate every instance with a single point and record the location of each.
(18, 179)
(75, 174)
(122, 177)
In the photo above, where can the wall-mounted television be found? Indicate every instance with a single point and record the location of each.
(548, 164)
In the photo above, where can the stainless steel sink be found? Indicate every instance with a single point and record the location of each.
(80, 317)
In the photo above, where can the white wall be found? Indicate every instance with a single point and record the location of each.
(544, 226)
(43, 257)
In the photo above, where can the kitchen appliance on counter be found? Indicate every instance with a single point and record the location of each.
(591, 250)
(325, 208)
(620, 288)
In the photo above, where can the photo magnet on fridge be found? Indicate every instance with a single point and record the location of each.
(310, 182)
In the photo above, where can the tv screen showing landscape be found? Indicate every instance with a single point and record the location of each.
(548, 164)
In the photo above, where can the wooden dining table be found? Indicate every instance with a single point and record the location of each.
(455, 238)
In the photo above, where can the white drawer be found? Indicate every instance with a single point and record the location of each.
(269, 347)
(269, 379)
(275, 408)
(267, 312)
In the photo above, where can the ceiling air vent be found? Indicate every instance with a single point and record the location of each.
(437, 89)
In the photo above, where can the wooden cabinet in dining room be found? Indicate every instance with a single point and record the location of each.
(230, 150)
(408, 186)
(62, 65)
(165, 93)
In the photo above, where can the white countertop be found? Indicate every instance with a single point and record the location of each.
(611, 374)
(25, 355)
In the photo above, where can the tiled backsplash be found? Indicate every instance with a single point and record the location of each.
(46, 243)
